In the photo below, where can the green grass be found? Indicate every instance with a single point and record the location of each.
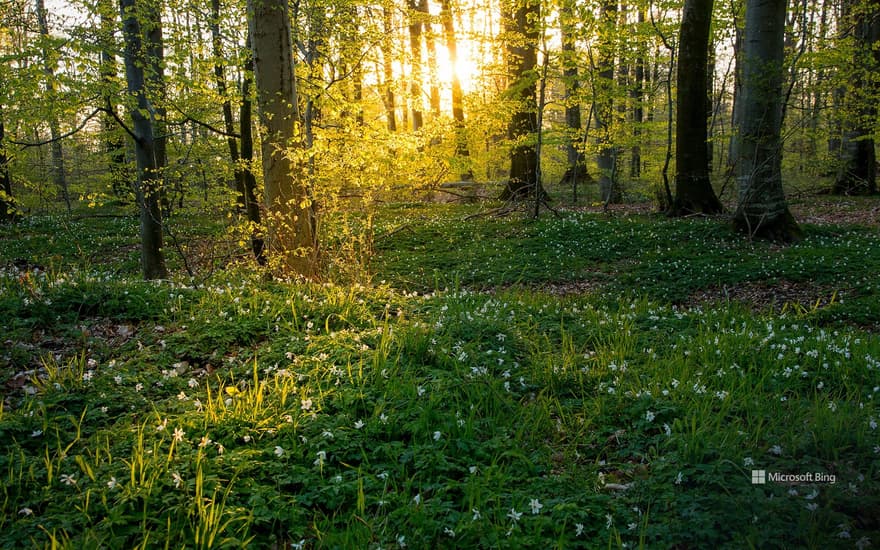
(239, 411)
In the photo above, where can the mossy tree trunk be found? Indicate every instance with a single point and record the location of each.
(148, 183)
(762, 210)
(291, 238)
(521, 20)
(693, 188)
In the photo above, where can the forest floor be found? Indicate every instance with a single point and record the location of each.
(589, 380)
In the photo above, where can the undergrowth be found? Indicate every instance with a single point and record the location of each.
(240, 411)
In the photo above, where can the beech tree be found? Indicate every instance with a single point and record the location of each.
(7, 203)
(762, 210)
(148, 186)
(59, 175)
(521, 20)
(693, 189)
(857, 173)
(291, 237)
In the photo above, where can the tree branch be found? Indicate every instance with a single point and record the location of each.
(27, 144)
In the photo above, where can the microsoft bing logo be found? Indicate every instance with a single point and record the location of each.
(759, 477)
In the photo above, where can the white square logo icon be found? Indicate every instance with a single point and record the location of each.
(759, 477)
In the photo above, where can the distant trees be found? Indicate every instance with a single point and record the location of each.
(363, 99)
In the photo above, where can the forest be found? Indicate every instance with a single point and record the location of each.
(439, 274)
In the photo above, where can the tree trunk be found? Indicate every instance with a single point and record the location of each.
(762, 210)
(415, 46)
(576, 166)
(248, 180)
(604, 110)
(462, 152)
(431, 46)
(59, 174)
(693, 188)
(7, 202)
(228, 121)
(148, 184)
(388, 69)
(522, 60)
(857, 173)
(637, 95)
(114, 144)
(290, 216)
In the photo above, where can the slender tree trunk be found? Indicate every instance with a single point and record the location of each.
(228, 121)
(461, 144)
(762, 209)
(114, 145)
(521, 18)
(59, 174)
(249, 181)
(576, 166)
(7, 202)
(415, 46)
(637, 95)
(431, 46)
(693, 188)
(290, 216)
(388, 69)
(148, 183)
(604, 110)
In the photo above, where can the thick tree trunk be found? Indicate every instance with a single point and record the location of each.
(290, 215)
(522, 60)
(461, 145)
(762, 210)
(693, 188)
(857, 173)
(148, 184)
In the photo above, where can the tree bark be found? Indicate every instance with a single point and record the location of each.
(291, 238)
(415, 46)
(762, 210)
(228, 121)
(857, 173)
(604, 111)
(388, 69)
(461, 145)
(521, 17)
(576, 166)
(249, 181)
(59, 174)
(148, 183)
(693, 188)
(114, 144)
(7, 202)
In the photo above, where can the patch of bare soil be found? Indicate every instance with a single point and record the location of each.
(778, 296)
(825, 210)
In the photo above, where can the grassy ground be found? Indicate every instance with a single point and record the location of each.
(581, 382)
